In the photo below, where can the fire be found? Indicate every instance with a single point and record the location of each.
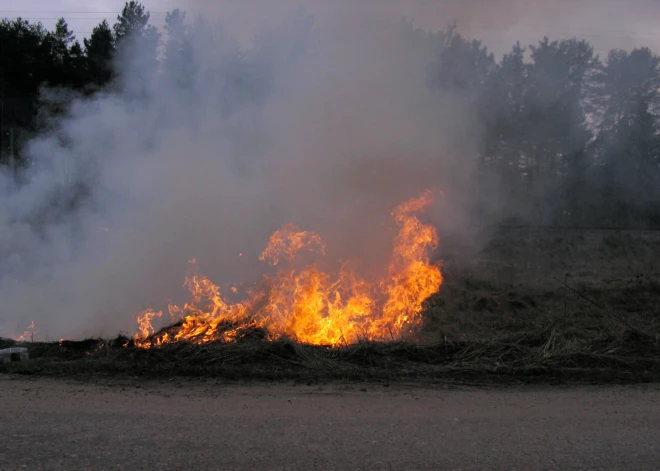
(145, 328)
(310, 305)
(288, 241)
(28, 334)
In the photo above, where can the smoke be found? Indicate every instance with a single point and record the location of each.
(133, 183)
(607, 24)
(327, 125)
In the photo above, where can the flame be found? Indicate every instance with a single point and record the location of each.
(310, 305)
(288, 241)
(29, 333)
(145, 328)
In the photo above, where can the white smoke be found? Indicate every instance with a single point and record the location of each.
(348, 130)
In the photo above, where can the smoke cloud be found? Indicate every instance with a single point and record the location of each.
(349, 130)
(607, 24)
(341, 126)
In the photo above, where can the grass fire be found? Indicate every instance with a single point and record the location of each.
(299, 156)
(309, 305)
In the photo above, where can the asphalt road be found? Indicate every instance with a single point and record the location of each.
(53, 425)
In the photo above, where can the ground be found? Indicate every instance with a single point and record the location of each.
(192, 424)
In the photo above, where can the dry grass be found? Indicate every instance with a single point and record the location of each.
(544, 355)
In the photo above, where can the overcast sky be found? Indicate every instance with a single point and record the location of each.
(606, 23)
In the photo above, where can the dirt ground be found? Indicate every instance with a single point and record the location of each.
(179, 424)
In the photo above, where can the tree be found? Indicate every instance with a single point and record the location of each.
(133, 22)
(501, 107)
(555, 130)
(76, 65)
(628, 146)
(65, 67)
(178, 53)
(100, 53)
(23, 62)
(133, 30)
(137, 45)
(62, 39)
(458, 65)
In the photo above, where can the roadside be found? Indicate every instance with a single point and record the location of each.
(196, 424)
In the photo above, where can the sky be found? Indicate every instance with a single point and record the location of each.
(606, 23)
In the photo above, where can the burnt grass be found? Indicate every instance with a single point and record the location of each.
(567, 308)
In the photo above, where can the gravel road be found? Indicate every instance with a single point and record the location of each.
(181, 425)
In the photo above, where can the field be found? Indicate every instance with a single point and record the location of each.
(579, 281)
(532, 305)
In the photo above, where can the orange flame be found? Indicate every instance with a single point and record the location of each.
(288, 241)
(29, 333)
(310, 305)
(145, 328)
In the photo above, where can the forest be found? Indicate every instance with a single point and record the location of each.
(570, 138)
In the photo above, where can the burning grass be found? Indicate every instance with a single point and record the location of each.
(309, 304)
(535, 324)
(473, 331)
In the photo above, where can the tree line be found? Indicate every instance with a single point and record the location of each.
(34, 58)
(566, 137)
